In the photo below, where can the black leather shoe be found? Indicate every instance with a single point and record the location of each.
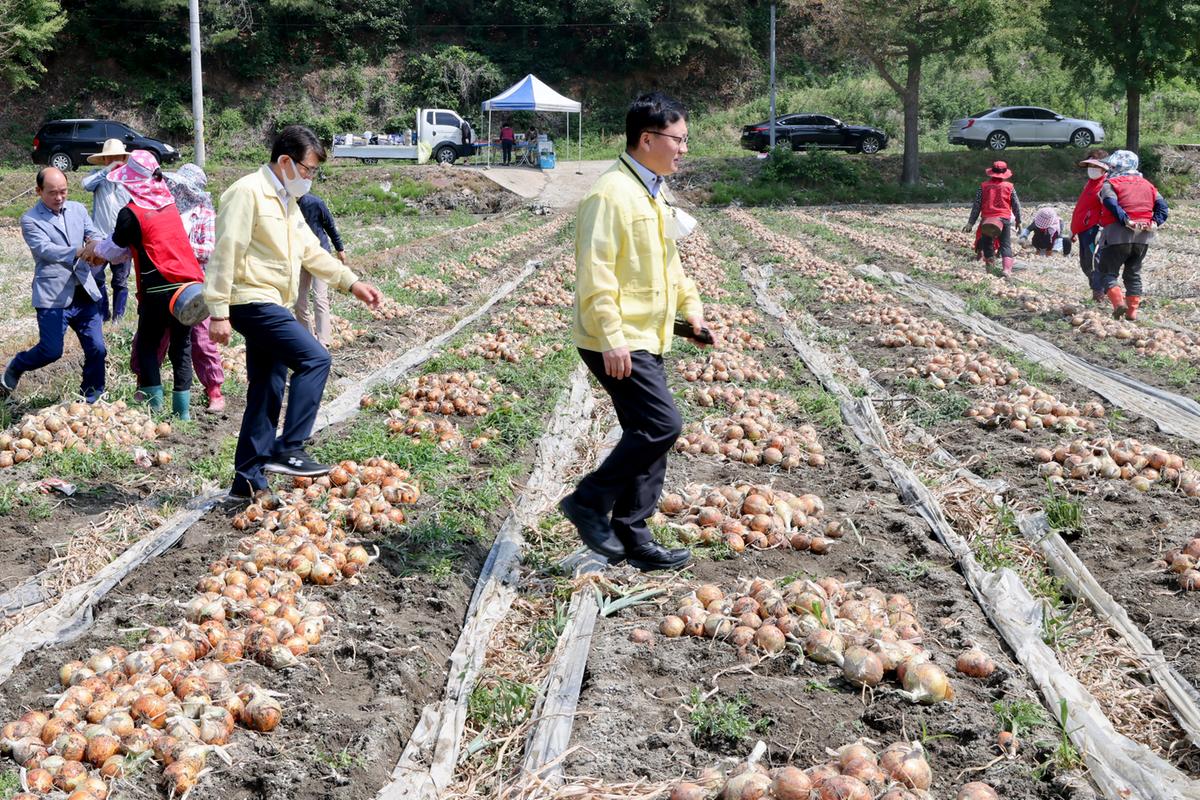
(652, 555)
(594, 529)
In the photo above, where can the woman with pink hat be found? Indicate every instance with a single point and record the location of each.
(997, 203)
(168, 277)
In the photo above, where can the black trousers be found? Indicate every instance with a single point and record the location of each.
(630, 480)
(155, 319)
(506, 147)
(1129, 256)
(275, 343)
(1005, 242)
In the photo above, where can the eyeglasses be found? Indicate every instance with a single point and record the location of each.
(306, 170)
(681, 140)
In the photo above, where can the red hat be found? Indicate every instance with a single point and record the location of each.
(998, 170)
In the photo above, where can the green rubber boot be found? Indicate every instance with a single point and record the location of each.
(181, 404)
(152, 396)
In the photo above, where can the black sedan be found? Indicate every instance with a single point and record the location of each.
(814, 131)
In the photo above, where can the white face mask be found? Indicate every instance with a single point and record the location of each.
(297, 187)
(1095, 172)
(679, 224)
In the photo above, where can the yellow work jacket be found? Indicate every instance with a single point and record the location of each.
(262, 243)
(629, 282)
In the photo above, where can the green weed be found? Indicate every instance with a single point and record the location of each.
(341, 761)
(912, 570)
(1019, 716)
(1063, 514)
(500, 703)
(985, 305)
(718, 724)
(819, 406)
(10, 783)
(75, 465)
(544, 636)
(1063, 757)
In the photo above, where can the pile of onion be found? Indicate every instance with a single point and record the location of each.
(1184, 564)
(1030, 408)
(853, 772)
(356, 497)
(173, 697)
(343, 333)
(390, 309)
(77, 426)
(738, 400)
(799, 259)
(750, 516)
(725, 366)
(703, 267)
(1142, 465)
(1162, 342)
(462, 394)
(423, 284)
(733, 324)
(908, 329)
(978, 368)
(862, 631)
(755, 438)
(847, 289)
(489, 259)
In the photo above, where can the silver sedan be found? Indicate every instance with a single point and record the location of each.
(1023, 126)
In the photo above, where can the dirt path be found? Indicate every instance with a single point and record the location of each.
(558, 188)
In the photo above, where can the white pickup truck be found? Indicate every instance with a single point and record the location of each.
(439, 136)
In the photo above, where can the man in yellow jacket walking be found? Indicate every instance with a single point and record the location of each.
(252, 282)
(629, 285)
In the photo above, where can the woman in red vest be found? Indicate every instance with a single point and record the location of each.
(151, 228)
(1085, 219)
(1132, 211)
(1000, 208)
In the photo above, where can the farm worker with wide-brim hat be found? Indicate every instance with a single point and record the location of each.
(108, 199)
(252, 283)
(997, 203)
(1132, 211)
(150, 229)
(1085, 219)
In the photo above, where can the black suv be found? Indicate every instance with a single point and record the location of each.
(66, 143)
(816, 131)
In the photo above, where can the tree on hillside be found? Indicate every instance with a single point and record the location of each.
(896, 37)
(1144, 43)
(27, 29)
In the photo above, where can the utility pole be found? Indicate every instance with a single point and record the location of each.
(197, 82)
(772, 73)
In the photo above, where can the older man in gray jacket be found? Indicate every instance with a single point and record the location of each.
(64, 290)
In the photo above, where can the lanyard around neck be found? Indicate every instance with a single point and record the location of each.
(642, 183)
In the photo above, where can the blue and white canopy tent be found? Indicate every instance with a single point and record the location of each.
(530, 94)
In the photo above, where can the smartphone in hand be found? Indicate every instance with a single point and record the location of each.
(684, 328)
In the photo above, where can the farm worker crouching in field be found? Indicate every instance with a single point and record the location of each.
(1085, 219)
(150, 229)
(262, 244)
(997, 204)
(1132, 211)
(65, 293)
(1044, 231)
(108, 199)
(317, 215)
(199, 222)
(629, 283)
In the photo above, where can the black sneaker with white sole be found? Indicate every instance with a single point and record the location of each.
(296, 463)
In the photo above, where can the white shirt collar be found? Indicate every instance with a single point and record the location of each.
(279, 187)
(653, 180)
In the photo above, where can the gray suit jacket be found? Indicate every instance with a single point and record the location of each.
(56, 273)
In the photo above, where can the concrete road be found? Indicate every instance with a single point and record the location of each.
(561, 187)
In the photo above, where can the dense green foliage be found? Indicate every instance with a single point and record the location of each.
(338, 67)
(27, 29)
